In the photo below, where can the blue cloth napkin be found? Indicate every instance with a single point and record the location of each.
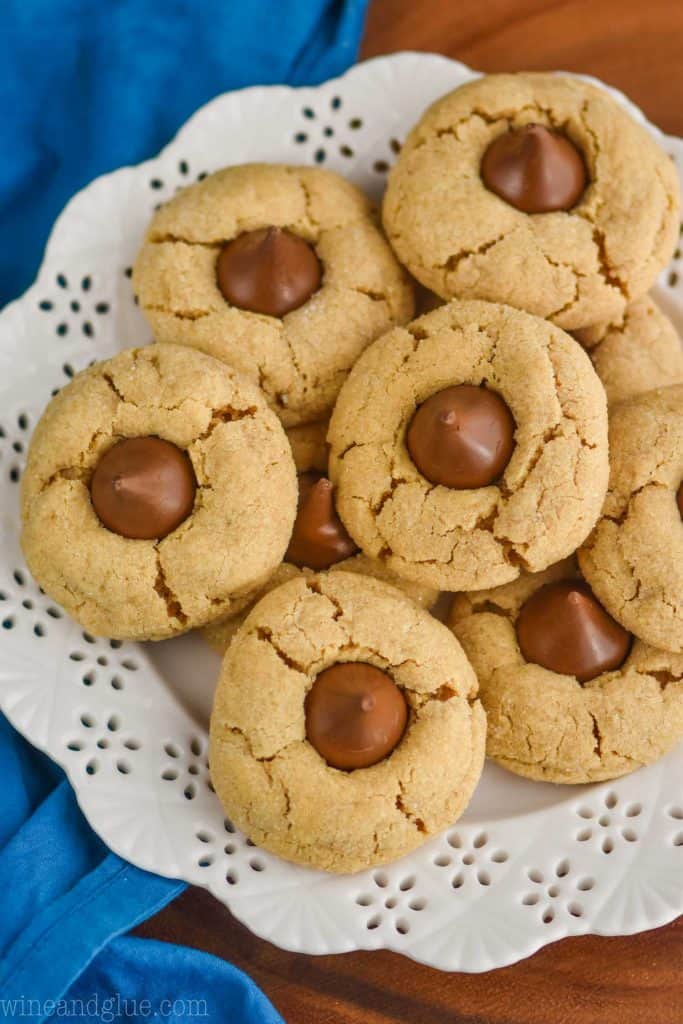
(67, 899)
(87, 87)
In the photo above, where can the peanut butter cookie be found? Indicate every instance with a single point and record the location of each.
(337, 742)
(159, 490)
(640, 352)
(470, 445)
(633, 559)
(537, 190)
(569, 695)
(279, 271)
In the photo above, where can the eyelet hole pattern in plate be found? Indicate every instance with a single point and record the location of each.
(556, 893)
(611, 822)
(136, 756)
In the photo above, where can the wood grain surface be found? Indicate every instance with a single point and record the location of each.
(636, 45)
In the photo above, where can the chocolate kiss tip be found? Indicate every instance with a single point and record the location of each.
(320, 495)
(448, 417)
(130, 484)
(367, 703)
(533, 137)
(575, 597)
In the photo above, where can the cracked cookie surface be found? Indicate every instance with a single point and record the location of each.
(301, 359)
(548, 726)
(309, 449)
(272, 782)
(639, 353)
(244, 506)
(576, 268)
(633, 559)
(552, 489)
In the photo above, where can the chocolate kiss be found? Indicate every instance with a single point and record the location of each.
(534, 169)
(143, 488)
(461, 437)
(355, 715)
(319, 538)
(564, 628)
(270, 271)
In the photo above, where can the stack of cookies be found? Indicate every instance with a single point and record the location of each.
(299, 468)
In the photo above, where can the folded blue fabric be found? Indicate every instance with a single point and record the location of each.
(88, 87)
(178, 984)
(85, 88)
(65, 901)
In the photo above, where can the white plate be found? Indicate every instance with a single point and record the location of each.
(529, 862)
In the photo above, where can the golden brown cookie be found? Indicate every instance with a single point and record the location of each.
(300, 358)
(633, 559)
(550, 493)
(239, 521)
(272, 781)
(309, 448)
(548, 726)
(576, 266)
(639, 353)
(219, 633)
